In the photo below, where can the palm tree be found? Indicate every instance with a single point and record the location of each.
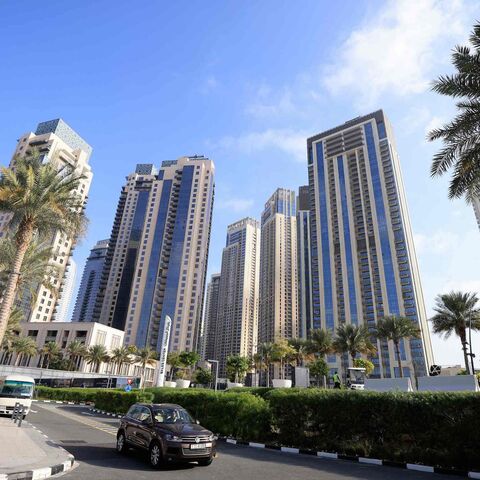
(119, 357)
(303, 351)
(266, 352)
(320, 342)
(42, 199)
(96, 355)
(173, 359)
(396, 328)
(75, 350)
(145, 356)
(353, 339)
(237, 367)
(456, 311)
(36, 268)
(24, 347)
(258, 365)
(461, 149)
(283, 354)
(49, 351)
(12, 332)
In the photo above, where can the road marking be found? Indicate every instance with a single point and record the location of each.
(90, 423)
(86, 413)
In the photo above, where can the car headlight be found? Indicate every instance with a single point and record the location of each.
(172, 438)
(212, 437)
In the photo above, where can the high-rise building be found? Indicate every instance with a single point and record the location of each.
(56, 142)
(157, 255)
(90, 283)
(476, 209)
(210, 319)
(278, 305)
(68, 286)
(304, 262)
(237, 314)
(363, 258)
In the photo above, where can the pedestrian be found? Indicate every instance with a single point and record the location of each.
(337, 383)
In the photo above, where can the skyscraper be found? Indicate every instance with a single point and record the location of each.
(304, 262)
(63, 307)
(90, 283)
(210, 319)
(57, 143)
(237, 313)
(363, 258)
(278, 306)
(157, 255)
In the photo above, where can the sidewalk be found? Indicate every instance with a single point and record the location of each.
(27, 453)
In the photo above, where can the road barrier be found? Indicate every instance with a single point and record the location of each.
(18, 413)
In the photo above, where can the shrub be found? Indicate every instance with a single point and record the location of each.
(116, 401)
(67, 394)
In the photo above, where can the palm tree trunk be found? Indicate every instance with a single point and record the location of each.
(23, 239)
(399, 358)
(465, 355)
(17, 360)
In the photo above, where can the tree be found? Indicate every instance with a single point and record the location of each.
(145, 356)
(203, 376)
(455, 312)
(395, 328)
(237, 367)
(173, 359)
(353, 339)
(49, 351)
(283, 354)
(24, 347)
(302, 349)
(320, 342)
(42, 200)
(13, 330)
(461, 144)
(96, 355)
(266, 352)
(36, 268)
(366, 364)
(187, 361)
(119, 357)
(318, 369)
(75, 350)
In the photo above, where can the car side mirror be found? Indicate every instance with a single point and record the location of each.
(147, 421)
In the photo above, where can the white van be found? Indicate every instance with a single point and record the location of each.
(13, 389)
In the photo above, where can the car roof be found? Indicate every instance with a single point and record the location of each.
(168, 405)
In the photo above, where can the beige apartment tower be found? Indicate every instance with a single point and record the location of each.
(237, 312)
(57, 143)
(278, 306)
(157, 254)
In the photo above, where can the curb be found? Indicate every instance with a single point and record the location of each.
(44, 472)
(354, 458)
(114, 415)
(64, 402)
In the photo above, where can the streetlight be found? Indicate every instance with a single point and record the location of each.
(216, 362)
(472, 355)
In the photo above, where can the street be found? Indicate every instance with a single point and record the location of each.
(90, 438)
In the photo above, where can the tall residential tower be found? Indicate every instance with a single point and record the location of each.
(237, 314)
(207, 350)
(278, 306)
(363, 258)
(157, 255)
(59, 144)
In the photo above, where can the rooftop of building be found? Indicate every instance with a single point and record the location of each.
(377, 115)
(66, 133)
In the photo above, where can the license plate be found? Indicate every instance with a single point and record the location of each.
(198, 446)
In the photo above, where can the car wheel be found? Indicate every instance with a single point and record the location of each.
(205, 462)
(156, 456)
(121, 446)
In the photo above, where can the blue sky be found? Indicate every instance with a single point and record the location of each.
(244, 83)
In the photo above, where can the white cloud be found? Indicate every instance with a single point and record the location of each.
(288, 141)
(237, 205)
(398, 50)
(440, 242)
(269, 104)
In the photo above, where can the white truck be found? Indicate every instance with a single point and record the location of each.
(13, 389)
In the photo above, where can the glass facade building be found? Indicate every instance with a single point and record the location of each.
(362, 254)
(158, 252)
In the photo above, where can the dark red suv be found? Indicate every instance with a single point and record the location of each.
(167, 432)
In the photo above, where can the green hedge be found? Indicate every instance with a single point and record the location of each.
(239, 415)
(116, 401)
(67, 394)
(431, 428)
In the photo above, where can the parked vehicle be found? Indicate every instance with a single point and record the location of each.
(13, 389)
(356, 378)
(167, 432)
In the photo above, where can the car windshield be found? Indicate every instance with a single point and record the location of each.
(171, 415)
(14, 388)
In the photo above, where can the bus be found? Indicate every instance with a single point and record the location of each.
(13, 389)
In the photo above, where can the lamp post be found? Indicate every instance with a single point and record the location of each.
(472, 355)
(216, 371)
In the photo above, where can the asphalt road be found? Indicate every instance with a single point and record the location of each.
(91, 438)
